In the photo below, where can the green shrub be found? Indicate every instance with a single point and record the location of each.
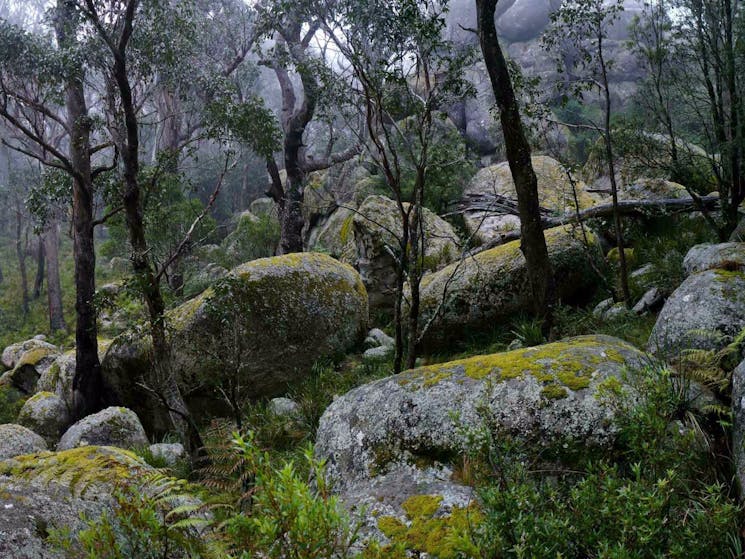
(11, 402)
(660, 495)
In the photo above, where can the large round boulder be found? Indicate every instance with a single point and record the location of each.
(705, 312)
(46, 414)
(490, 196)
(390, 440)
(376, 230)
(490, 288)
(16, 440)
(113, 426)
(62, 490)
(275, 316)
(709, 256)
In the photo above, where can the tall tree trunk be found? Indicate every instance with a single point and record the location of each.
(88, 385)
(607, 136)
(39, 280)
(533, 242)
(54, 290)
(164, 376)
(21, 254)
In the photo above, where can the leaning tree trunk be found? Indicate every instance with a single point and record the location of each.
(54, 289)
(88, 385)
(533, 242)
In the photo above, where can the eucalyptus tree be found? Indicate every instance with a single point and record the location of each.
(43, 100)
(708, 39)
(306, 83)
(405, 75)
(532, 239)
(579, 32)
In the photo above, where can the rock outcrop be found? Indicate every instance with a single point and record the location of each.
(491, 287)
(46, 414)
(288, 312)
(705, 312)
(399, 437)
(703, 257)
(16, 440)
(113, 426)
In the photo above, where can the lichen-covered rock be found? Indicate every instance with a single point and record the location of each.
(284, 407)
(13, 353)
(391, 446)
(707, 256)
(31, 364)
(16, 440)
(376, 338)
(492, 287)
(59, 377)
(264, 206)
(738, 423)
(290, 310)
(113, 426)
(47, 415)
(48, 490)
(170, 453)
(336, 236)
(376, 227)
(493, 184)
(705, 312)
(652, 189)
(420, 416)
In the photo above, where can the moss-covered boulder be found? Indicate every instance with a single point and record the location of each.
(46, 414)
(486, 216)
(17, 439)
(335, 236)
(489, 289)
(13, 353)
(705, 312)
(404, 435)
(287, 313)
(39, 492)
(114, 426)
(29, 366)
(712, 256)
(376, 228)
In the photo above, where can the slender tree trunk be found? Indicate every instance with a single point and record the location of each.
(39, 280)
(88, 385)
(607, 136)
(21, 254)
(54, 289)
(533, 242)
(416, 252)
(165, 380)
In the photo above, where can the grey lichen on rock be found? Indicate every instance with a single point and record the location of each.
(705, 312)
(423, 415)
(16, 440)
(708, 256)
(46, 414)
(114, 426)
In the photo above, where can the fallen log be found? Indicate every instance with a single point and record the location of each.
(628, 208)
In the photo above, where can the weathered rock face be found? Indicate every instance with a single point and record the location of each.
(113, 426)
(738, 423)
(494, 185)
(52, 490)
(705, 312)
(16, 440)
(396, 437)
(46, 414)
(290, 311)
(376, 225)
(30, 359)
(13, 353)
(336, 236)
(708, 256)
(492, 287)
